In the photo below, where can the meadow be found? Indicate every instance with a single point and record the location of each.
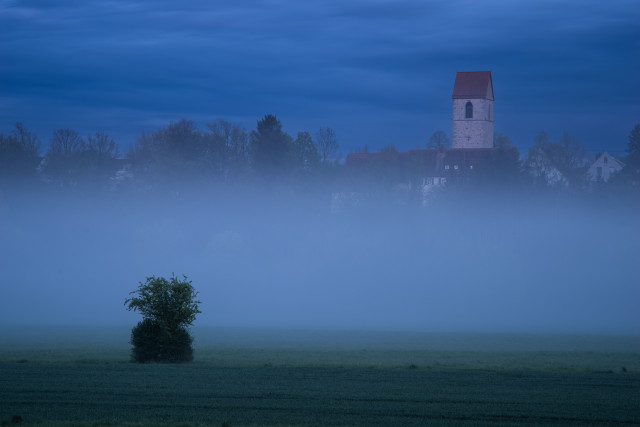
(277, 377)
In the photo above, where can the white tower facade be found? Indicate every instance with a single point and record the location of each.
(473, 110)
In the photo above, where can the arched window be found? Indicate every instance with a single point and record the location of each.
(468, 110)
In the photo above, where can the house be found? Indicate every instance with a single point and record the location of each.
(604, 167)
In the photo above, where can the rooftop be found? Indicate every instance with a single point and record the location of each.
(473, 84)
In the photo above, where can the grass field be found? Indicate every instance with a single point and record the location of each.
(256, 377)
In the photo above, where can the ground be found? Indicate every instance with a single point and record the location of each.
(297, 378)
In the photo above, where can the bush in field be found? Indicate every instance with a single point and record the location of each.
(152, 343)
(168, 308)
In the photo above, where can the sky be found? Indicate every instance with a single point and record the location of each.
(378, 72)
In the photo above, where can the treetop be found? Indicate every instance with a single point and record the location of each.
(170, 302)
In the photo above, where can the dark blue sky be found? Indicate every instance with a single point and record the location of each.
(378, 72)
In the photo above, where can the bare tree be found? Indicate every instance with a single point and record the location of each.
(102, 146)
(439, 139)
(555, 163)
(66, 161)
(101, 153)
(228, 143)
(66, 142)
(327, 143)
(19, 155)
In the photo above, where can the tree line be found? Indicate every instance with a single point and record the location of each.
(226, 153)
(176, 154)
(548, 165)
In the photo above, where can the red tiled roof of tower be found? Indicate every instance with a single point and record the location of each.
(473, 84)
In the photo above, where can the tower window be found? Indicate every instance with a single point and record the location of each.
(468, 110)
(606, 160)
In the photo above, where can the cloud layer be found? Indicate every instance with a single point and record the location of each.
(378, 72)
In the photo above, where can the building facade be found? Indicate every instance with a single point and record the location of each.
(604, 167)
(472, 110)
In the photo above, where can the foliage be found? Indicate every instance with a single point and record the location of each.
(174, 157)
(275, 155)
(153, 343)
(626, 182)
(631, 172)
(306, 152)
(633, 145)
(270, 148)
(168, 307)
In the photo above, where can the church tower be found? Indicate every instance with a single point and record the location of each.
(473, 110)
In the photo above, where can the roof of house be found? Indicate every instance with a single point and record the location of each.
(431, 161)
(614, 162)
(473, 84)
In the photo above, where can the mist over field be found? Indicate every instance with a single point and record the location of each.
(273, 259)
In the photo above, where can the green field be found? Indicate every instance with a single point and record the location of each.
(243, 377)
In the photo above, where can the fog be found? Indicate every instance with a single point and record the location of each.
(272, 259)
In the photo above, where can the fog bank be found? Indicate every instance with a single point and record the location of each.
(282, 261)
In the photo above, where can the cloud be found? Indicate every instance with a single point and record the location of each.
(247, 58)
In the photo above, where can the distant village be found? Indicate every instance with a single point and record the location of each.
(226, 154)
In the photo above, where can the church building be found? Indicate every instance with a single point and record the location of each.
(472, 110)
(471, 156)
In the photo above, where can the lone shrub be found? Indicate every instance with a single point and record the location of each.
(152, 343)
(168, 308)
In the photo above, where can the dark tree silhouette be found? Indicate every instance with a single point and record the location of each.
(270, 148)
(501, 140)
(306, 152)
(168, 308)
(439, 139)
(633, 145)
(556, 163)
(327, 144)
(101, 152)
(169, 156)
(19, 156)
(226, 149)
(66, 163)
